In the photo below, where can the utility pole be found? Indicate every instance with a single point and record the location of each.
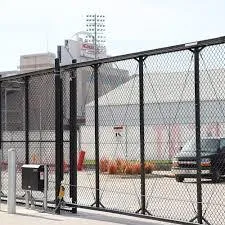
(95, 37)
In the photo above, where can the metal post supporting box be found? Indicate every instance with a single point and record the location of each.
(33, 177)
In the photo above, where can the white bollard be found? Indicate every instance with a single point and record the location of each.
(11, 181)
(27, 199)
(45, 187)
(0, 176)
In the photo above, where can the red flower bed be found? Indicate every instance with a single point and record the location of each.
(121, 166)
(103, 165)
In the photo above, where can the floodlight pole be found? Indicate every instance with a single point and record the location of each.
(95, 38)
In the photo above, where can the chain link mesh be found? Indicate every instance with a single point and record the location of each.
(85, 139)
(42, 126)
(170, 167)
(169, 115)
(13, 134)
(212, 64)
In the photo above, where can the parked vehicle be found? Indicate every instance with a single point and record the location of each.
(212, 160)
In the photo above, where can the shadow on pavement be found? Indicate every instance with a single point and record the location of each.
(115, 218)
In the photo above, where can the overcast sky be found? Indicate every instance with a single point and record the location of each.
(132, 25)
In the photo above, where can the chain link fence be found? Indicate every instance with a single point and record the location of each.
(28, 126)
(137, 134)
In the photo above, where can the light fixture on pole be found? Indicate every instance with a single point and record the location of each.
(95, 25)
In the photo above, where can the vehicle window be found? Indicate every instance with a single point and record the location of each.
(210, 145)
(207, 145)
(222, 143)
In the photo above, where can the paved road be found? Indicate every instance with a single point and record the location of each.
(84, 217)
(165, 197)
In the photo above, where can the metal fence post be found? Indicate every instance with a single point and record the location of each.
(198, 135)
(27, 118)
(61, 130)
(142, 138)
(58, 162)
(140, 61)
(96, 135)
(1, 149)
(73, 137)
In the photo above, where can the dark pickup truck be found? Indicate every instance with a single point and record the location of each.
(212, 160)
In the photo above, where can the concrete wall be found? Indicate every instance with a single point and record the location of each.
(161, 113)
(161, 142)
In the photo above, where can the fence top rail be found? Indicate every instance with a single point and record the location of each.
(158, 51)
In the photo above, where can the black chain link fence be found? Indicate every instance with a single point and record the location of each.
(136, 134)
(40, 112)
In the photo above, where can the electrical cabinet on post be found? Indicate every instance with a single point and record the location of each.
(33, 177)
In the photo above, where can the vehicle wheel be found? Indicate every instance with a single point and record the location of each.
(179, 178)
(216, 176)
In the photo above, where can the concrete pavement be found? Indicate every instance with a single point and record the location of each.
(84, 217)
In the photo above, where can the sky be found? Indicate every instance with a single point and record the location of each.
(29, 26)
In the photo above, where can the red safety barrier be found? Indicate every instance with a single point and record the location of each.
(80, 160)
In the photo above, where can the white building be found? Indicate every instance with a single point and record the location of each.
(109, 74)
(169, 114)
(79, 50)
(33, 62)
(8, 73)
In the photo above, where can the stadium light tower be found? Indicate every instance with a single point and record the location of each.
(95, 25)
